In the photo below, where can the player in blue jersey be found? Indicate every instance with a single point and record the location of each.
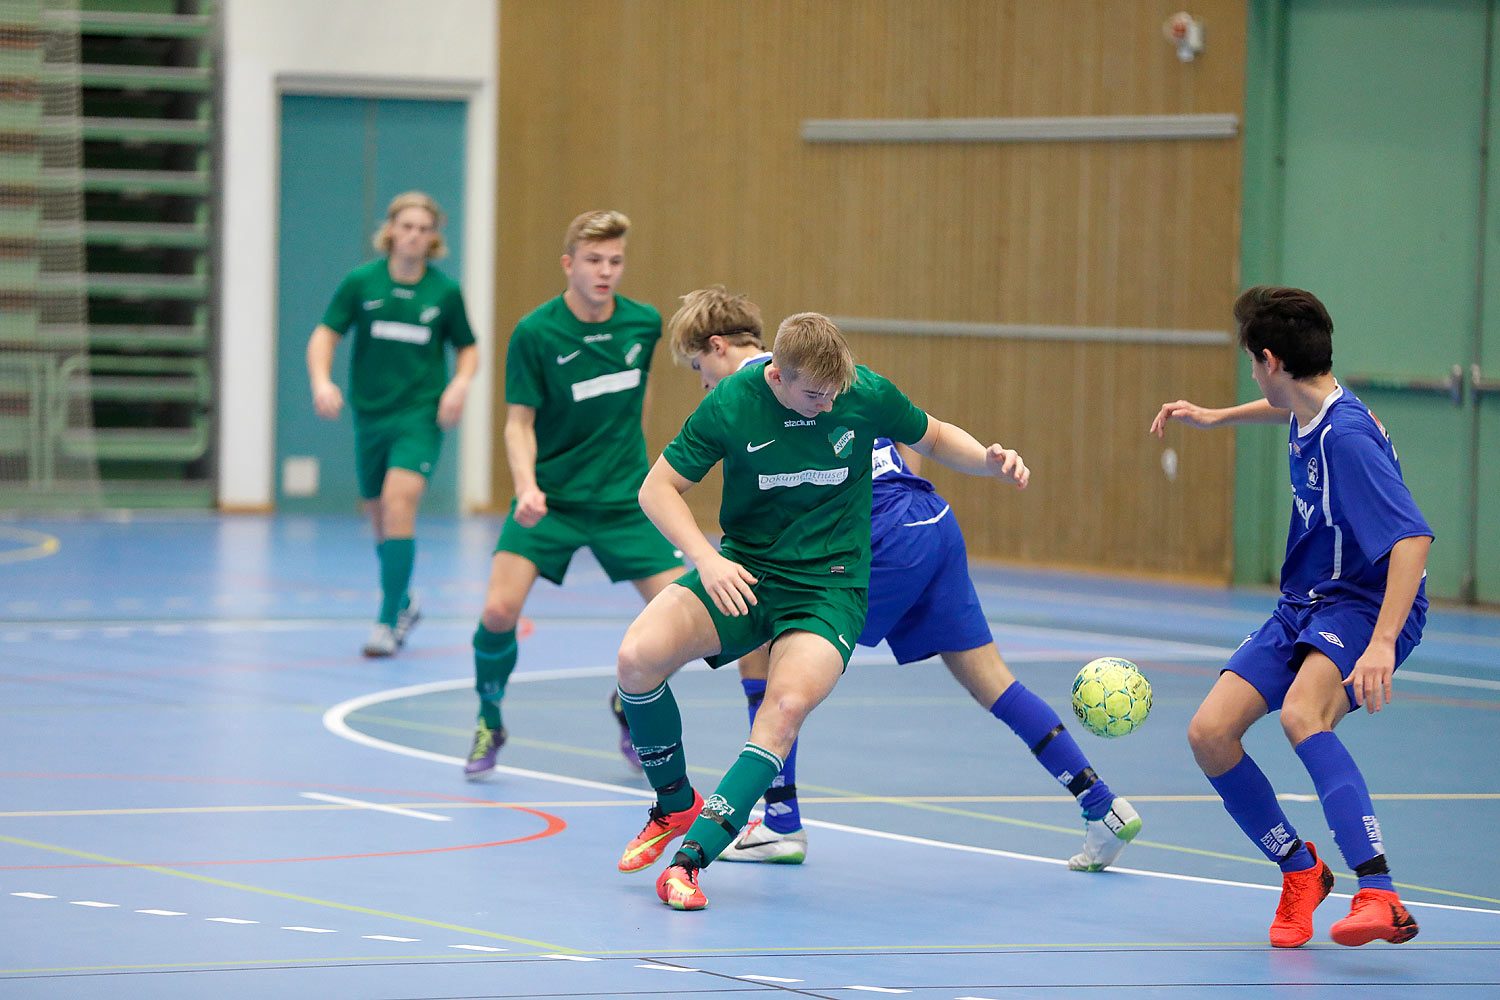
(1351, 610)
(921, 602)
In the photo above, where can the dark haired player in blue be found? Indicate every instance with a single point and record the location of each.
(1351, 610)
(921, 602)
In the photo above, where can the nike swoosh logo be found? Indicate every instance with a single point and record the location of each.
(563, 359)
(845, 642)
(757, 447)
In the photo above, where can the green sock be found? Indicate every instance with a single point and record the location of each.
(656, 729)
(728, 809)
(396, 558)
(494, 659)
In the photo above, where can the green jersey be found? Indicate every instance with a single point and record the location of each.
(587, 383)
(796, 500)
(400, 331)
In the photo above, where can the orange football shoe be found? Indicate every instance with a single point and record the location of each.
(661, 829)
(678, 888)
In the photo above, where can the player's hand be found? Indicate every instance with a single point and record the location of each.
(327, 400)
(451, 405)
(1006, 463)
(728, 583)
(1370, 680)
(1189, 413)
(531, 507)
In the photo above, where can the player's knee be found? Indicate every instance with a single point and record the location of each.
(1299, 721)
(500, 616)
(1209, 737)
(637, 669)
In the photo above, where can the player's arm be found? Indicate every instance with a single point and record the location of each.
(726, 581)
(451, 403)
(912, 459)
(327, 399)
(1258, 412)
(1370, 680)
(520, 454)
(951, 445)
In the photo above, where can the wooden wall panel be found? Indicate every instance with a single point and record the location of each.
(686, 115)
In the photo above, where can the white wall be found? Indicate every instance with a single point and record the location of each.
(338, 46)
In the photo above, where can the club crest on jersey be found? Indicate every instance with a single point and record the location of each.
(1312, 472)
(842, 439)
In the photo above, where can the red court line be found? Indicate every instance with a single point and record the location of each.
(554, 824)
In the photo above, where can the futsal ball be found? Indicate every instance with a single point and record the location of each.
(1111, 697)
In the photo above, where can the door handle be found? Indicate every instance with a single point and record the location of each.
(1452, 386)
(1481, 387)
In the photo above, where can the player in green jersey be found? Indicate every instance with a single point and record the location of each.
(922, 603)
(795, 437)
(575, 387)
(405, 314)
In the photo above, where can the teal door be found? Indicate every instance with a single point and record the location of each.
(342, 160)
(1381, 213)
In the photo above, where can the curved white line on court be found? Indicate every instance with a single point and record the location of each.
(333, 721)
(41, 544)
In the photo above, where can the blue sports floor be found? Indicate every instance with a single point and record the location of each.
(205, 791)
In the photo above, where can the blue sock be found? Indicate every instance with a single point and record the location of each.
(1032, 719)
(1251, 802)
(782, 814)
(1347, 807)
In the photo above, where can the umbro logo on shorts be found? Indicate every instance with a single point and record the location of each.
(1333, 639)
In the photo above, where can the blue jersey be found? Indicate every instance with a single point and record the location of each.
(1349, 506)
(893, 485)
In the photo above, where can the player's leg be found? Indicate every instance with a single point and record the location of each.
(674, 628)
(805, 666)
(777, 837)
(629, 547)
(495, 652)
(1110, 822)
(1314, 705)
(1233, 705)
(400, 496)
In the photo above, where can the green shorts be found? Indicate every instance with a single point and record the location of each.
(406, 439)
(835, 613)
(625, 542)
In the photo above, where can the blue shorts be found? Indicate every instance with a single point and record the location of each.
(1270, 657)
(922, 601)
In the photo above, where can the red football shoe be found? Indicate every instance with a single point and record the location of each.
(678, 888)
(1301, 892)
(1375, 913)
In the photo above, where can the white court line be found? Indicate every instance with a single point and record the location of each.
(334, 722)
(1417, 675)
(396, 810)
(230, 920)
(572, 958)
(388, 937)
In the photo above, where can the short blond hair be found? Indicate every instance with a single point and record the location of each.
(712, 312)
(413, 199)
(809, 347)
(595, 227)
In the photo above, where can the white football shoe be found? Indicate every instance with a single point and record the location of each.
(1106, 837)
(756, 842)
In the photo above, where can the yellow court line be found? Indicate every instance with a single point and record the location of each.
(645, 796)
(347, 907)
(42, 545)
